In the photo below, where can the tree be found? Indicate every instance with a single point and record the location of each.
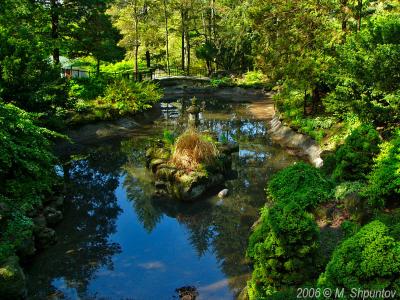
(96, 36)
(27, 77)
(283, 248)
(136, 21)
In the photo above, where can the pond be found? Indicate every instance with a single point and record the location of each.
(117, 241)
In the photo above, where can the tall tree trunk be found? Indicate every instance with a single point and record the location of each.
(148, 62)
(305, 103)
(187, 38)
(98, 67)
(54, 31)
(136, 62)
(316, 99)
(344, 10)
(136, 18)
(183, 39)
(359, 7)
(166, 34)
(212, 20)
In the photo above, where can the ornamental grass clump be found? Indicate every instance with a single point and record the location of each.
(192, 149)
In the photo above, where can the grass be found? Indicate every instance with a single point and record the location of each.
(191, 149)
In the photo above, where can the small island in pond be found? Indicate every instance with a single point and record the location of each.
(190, 166)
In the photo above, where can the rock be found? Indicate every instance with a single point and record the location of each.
(160, 185)
(39, 222)
(26, 248)
(45, 237)
(57, 202)
(223, 193)
(166, 173)
(52, 215)
(12, 280)
(196, 192)
(154, 163)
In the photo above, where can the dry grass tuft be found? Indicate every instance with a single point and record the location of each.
(193, 148)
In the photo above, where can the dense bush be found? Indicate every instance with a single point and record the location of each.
(119, 98)
(384, 180)
(26, 173)
(128, 96)
(86, 88)
(300, 183)
(353, 159)
(368, 260)
(283, 248)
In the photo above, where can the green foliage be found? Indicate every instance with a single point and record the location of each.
(168, 137)
(369, 260)
(353, 159)
(283, 248)
(250, 79)
(26, 173)
(346, 188)
(291, 105)
(366, 78)
(384, 179)
(300, 183)
(27, 78)
(129, 96)
(119, 98)
(222, 82)
(392, 220)
(86, 88)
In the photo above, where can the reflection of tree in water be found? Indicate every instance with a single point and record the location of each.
(224, 229)
(90, 213)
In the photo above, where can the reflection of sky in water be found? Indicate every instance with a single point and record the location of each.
(117, 242)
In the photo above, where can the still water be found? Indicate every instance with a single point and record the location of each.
(119, 242)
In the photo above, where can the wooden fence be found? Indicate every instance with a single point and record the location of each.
(146, 74)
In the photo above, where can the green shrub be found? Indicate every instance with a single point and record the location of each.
(283, 248)
(392, 220)
(384, 180)
(86, 88)
(368, 260)
(128, 96)
(300, 183)
(354, 158)
(222, 82)
(26, 174)
(346, 188)
(169, 137)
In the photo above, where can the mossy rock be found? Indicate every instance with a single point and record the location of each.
(12, 280)
(166, 173)
(155, 163)
(44, 237)
(158, 152)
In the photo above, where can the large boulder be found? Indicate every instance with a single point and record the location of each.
(44, 237)
(12, 280)
(52, 215)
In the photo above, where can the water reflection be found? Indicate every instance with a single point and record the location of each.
(118, 241)
(90, 215)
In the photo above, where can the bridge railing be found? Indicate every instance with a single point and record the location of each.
(145, 74)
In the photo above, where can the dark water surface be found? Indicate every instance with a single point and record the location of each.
(118, 242)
